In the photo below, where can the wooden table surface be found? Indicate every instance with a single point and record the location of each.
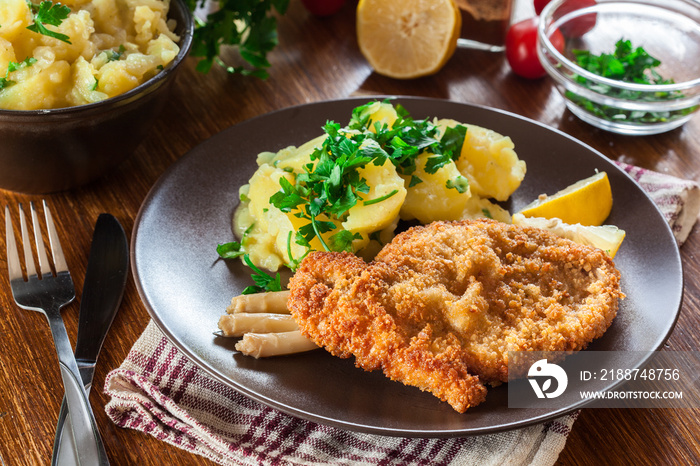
(318, 59)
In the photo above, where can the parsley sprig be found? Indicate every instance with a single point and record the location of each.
(230, 250)
(49, 13)
(250, 25)
(263, 281)
(627, 64)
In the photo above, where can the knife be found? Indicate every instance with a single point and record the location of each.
(105, 280)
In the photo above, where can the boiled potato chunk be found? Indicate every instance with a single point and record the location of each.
(296, 158)
(269, 227)
(14, 18)
(85, 83)
(382, 181)
(382, 113)
(79, 27)
(37, 87)
(7, 53)
(112, 46)
(258, 244)
(432, 199)
(489, 162)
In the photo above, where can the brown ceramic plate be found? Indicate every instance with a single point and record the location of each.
(186, 288)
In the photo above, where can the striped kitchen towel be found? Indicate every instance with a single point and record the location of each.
(677, 199)
(157, 390)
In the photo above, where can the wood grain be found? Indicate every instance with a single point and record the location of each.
(317, 59)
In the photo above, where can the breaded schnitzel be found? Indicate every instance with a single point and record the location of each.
(442, 304)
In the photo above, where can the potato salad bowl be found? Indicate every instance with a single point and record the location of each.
(46, 150)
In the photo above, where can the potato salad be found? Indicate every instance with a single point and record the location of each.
(76, 52)
(347, 189)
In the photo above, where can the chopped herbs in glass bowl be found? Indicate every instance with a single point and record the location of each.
(633, 69)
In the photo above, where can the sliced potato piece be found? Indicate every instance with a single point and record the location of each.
(489, 161)
(266, 242)
(380, 207)
(432, 199)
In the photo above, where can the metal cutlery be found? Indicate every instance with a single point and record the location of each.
(105, 279)
(47, 292)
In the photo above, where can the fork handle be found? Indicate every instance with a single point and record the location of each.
(88, 442)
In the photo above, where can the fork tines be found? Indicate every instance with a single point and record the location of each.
(13, 260)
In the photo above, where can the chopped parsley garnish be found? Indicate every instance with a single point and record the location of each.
(460, 183)
(380, 199)
(49, 13)
(627, 64)
(263, 281)
(331, 183)
(115, 55)
(328, 189)
(248, 24)
(230, 250)
(294, 262)
(14, 66)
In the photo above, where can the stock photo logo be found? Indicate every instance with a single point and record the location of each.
(541, 374)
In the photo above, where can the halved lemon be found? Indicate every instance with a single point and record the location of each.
(588, 202)
(408, 38)
(605, 237)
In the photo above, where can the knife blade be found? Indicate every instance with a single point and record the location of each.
(105, 280)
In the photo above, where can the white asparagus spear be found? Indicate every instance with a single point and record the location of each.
(272, 302)
(236, 325)
(263, 345)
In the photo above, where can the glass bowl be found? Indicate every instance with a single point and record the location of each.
(44, 151)
(668, 30)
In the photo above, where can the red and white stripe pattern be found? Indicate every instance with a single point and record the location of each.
(157, 390)
(677, 199)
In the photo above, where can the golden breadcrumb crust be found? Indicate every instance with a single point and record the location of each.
(441, 305)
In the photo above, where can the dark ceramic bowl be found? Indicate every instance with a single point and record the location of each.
(43, 151)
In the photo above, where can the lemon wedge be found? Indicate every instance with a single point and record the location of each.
(409, 38)
(588, 202)
(605, 237)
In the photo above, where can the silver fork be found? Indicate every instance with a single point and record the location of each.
(47, 293)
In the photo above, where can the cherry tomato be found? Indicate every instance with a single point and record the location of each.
(577, 27)
(323, 7)
(521, 48)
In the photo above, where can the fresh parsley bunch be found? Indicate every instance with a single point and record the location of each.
(250, 25)
(627, 64)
